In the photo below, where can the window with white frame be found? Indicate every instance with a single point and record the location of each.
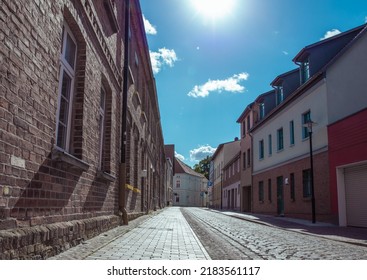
(279, 95)
(305, 70)
(66, 88)
(262, 110)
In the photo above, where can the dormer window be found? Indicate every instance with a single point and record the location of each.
(305, 71)
(279, 95)
(262, 111)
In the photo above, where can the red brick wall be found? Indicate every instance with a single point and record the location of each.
(39, 184)
(36, 188)
(300, 207)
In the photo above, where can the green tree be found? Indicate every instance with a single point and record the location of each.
(203, 167)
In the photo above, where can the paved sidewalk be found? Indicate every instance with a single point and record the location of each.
(165, 235)
(353, 235)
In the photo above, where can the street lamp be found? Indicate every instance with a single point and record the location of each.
(309, 124)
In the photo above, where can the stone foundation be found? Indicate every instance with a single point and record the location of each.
(42, 242)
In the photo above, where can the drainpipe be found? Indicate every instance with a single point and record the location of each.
(122, 192)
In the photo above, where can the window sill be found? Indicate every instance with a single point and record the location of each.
(59, 154)
(106, 176)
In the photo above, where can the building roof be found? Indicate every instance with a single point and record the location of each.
(318, 75)
(280, 77)
(304, 52)
(245, 112)
(183, 168)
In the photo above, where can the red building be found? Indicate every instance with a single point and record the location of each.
(348, 169)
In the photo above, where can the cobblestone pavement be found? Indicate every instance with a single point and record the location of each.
(164, 235)
(228, 237)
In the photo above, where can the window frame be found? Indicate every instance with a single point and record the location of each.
(270, 144)
(306, 180)
(306, 117)
(66, 68)
(262, 110)
(279, 95)
(269, 190)
(305, 70)
(102, 125)
(280, 139)
(261, 149)
(261, 191)
(291, 133)
(292, 187)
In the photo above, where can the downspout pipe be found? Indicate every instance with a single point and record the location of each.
(122, 188)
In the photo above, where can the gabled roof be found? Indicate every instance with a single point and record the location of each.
(245, 112)
(304, 52)
(262, 96)
(221, 147)
(359, 32)
(281, 77)
(347, 47)
(183, 168)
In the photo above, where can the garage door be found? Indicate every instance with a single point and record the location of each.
(356, 195)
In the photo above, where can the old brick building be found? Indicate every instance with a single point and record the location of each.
(61, 96)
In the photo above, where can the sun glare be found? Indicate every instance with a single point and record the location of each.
(213, 9)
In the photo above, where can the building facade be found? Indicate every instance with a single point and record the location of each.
(347, 132)
(246, 121)
(232, 182)
(225, 175)
(189, 187)
(216, 177)
(60, 124)
(282, 176)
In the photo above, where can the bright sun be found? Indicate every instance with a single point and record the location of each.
(213, 9)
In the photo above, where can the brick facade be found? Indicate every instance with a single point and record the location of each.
(44, 186)
(295, 204)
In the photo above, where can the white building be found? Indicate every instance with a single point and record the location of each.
(189, 187)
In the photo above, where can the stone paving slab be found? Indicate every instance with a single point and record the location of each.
(164, 235)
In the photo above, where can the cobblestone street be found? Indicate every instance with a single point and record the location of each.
(196, 233)
(228, 237)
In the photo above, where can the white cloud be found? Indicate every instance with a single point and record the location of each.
(201, 152)
(180, 157)
(230, 84)
(285, 52)
(149, 28)
(330, 33)
(162, 57)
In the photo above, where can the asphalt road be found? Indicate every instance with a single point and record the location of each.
(229, 238)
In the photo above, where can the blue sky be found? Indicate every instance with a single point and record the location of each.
(209, 64)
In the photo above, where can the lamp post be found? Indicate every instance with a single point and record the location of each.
(309, 125)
